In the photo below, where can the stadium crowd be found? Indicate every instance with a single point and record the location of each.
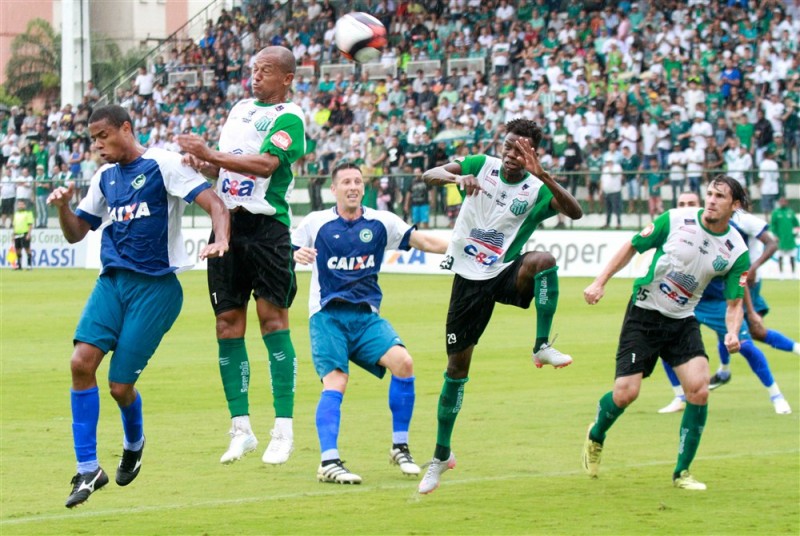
(635, 98)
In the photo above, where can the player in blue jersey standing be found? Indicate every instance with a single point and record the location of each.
(143, 192)
(345, 246)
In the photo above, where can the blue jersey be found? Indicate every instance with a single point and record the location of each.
(349, 254)
(143, 203)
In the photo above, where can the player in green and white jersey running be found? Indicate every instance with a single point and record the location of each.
(692, 247)
(505, 200)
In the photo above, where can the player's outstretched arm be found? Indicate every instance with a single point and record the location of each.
(451, 174)
(305, 255)
(73, 227)
(733, 323)
(261, 165)
(595, 292)
(563, 201)
(429, 242)
(770, 247)
(220, 223)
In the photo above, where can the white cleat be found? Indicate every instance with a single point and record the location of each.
(547, 355)
(686, 481)
(675, 406)
(279, 449)
(402, 456)
(337, 473)
(241, 443)
(436, 467)
(782, 406)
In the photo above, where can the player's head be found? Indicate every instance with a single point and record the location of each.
(724, 195)
(273, 73)
(112, 134)
(347, 185)
(21, 205)
(688, 199)
(516, 129)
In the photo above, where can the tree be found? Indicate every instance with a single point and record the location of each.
(109, 63)
(35, 65)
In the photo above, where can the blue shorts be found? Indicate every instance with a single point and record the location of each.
(759, 303)
(420, 214)
(343, 332)
(129, 313)
(711, 313)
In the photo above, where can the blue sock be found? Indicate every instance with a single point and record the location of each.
(401, 403)
(133, 424)
(329, 413)
(779, 341)
(673, 378)
(85, 414)
(757, 361)
(724, 354)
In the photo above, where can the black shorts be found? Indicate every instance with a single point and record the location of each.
(472, 304)
(21, 242)
(259, 261)
(648, 334)
(594, 187)
(7, 206)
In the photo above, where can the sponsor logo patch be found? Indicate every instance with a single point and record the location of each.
(281, 140)
(647, 231)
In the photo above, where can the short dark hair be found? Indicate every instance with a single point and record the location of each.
(115, 115)
(738, 193)
(527, 129)
(342, 167)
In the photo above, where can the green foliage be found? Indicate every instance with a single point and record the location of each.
(35, 64)
(108, 61)
(8, 100)
(517, 439)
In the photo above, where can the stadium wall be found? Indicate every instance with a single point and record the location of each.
(578, 253)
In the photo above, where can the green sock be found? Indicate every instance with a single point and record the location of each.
(449, 406)
(692, 424)
(282, 370)
(545, 296)
(607, 413)
(234, 368)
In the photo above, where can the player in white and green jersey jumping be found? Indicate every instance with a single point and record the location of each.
(505, 200)
(692, 247)
(261, 139)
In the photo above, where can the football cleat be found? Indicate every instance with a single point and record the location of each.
(400, 455)
(436, 467)
(84, 484)
(687, 481)
(129, 466)
(337, 473)
(241, 444)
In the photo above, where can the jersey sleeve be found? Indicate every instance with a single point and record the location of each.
(543, 206)
(751, 224)
(736, 278)
(179, 179)
(472, 164)
(398, 232)
(286, 138)
(301, 236)
(653, 235)
(93, 207)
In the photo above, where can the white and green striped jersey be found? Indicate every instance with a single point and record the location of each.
(687, 257)
(493, 227)
(254, 127)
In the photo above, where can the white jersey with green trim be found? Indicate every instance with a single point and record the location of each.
(253, 127)
(493, 227)
(687, 257)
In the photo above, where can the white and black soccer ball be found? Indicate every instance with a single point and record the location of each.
(360, 36)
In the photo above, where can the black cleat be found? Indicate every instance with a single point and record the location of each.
(129, 466)
(719, 379)
(84, 485)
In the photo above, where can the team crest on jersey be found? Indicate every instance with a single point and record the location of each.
(719, 263)
(365, 235)
(138, 181)
(518, 207)
(262, 125)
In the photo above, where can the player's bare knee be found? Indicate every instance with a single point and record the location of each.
(696, 394)
(625, 394)
(123, 393)
(272, 324)
(82, 367)
(403, 366)
(230, 325)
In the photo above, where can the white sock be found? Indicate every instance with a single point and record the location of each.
(796, 348)
(774, 391)
(283, 425)
(678, 389)
(242, 423)
(724, 368)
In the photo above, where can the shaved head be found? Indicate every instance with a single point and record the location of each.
(282, 57)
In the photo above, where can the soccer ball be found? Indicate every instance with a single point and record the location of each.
(360, 36)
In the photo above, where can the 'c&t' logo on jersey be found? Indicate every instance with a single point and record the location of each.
(138, 181)
(239, 188)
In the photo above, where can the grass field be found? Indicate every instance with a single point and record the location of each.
(518, 437)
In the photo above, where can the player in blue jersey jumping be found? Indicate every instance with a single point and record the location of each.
(345, 246)
(143, 193)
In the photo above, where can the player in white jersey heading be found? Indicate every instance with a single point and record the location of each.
(345, 246)
(141, 195)
(260, 141)
(692, 247)
(506, 199)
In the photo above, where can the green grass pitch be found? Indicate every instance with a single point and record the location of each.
(518, 437)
